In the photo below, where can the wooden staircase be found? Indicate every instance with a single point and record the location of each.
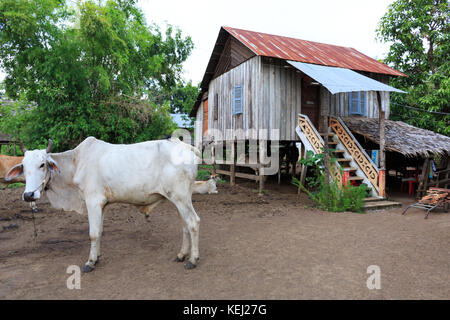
(375, 203)
(353, 165)
(345, 162)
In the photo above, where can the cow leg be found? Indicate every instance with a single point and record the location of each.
(192, 223)
(95, 228)
(184, 246)
(99, 253)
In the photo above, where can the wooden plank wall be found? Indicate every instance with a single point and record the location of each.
(247, 75)
(340, 105)
(281, 98)
(271, 99)
(233, 54)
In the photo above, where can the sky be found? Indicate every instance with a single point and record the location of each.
(349, 23)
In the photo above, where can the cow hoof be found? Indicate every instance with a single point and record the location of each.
(177, 259)
(189, 266)
(87, 269)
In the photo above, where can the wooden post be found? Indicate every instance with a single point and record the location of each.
(326, 159)
(382, 183)
(261, 152)
(213, 155)
(232, 165)
(304, 169)
(382, 171)
(346, 178)
(261, 180)
(423, 182)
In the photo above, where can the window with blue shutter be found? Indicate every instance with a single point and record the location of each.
(357, 103)
(237, 100)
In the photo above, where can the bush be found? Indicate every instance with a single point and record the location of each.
(333, 198)
(203, 175)
(330, 197)
(89, 68)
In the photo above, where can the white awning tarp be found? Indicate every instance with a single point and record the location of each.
(338, 80)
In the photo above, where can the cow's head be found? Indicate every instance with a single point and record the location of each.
(37, 165)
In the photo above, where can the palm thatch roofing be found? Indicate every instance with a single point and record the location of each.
(401, 137)
(4, 138)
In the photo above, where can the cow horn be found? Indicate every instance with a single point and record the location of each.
(50, 145)
(22, 147)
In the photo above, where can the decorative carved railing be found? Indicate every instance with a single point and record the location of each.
(317, 144)
(355, 150)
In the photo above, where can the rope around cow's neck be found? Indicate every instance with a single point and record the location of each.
(44, 182)
(34, 226)
(43, 187)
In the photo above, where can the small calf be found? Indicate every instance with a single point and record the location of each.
(208, 186)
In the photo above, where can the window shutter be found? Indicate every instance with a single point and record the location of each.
(353, 102)
(237, 99)
(357, 103)
(363, 103)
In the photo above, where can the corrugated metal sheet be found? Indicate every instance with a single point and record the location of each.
(268, 45)
(341, 79)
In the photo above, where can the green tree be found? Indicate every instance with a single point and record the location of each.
(93, 69)
(419, 31)
(182, 97)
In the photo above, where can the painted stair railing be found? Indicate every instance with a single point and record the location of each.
(312, 140)
(352, 165)
(366, 167)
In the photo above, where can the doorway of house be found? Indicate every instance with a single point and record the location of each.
(310, 100)
(205, 117)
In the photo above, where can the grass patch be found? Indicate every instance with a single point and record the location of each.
(16, 185)
(203, 175)
(220, 180)
(4, 151)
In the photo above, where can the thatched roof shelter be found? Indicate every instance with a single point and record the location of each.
(5, 138)
(401, 137)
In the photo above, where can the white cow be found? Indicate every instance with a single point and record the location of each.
(209, 186)
(96, 173)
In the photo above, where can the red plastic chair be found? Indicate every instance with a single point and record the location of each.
(411, 180)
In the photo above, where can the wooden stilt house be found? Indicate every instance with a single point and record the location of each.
(260, 86)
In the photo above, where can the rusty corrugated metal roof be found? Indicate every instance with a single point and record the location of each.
(269, 45)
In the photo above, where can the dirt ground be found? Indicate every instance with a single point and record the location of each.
(270, 247)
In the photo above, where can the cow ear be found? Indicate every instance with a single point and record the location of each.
(14, 172)
(52, 164)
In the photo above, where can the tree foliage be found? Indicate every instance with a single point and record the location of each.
(419, 31)
(96, 68)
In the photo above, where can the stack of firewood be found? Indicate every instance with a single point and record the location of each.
(436, 196)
